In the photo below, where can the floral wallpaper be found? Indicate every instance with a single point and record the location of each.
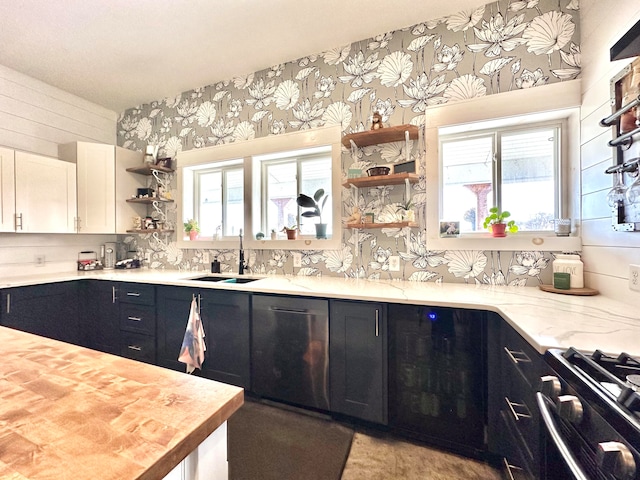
(495, 48)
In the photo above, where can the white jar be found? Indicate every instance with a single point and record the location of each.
(571, 264)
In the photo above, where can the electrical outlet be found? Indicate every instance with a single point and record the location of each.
(39, 260)
(394, 263)
(205, 258)
(297, 259)
(634, 277)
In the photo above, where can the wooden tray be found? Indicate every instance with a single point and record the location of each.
(571, 291)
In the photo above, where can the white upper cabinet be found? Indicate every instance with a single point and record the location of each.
(45, 194)
(7, 190)
(127, 184)
(95, 170)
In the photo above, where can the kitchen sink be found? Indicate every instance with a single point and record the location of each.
(212, 278)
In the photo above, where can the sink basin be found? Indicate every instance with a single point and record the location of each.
(211, 278)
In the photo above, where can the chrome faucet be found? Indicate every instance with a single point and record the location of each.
(241, 264)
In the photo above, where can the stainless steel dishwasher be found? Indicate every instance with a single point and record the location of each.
(290, 349)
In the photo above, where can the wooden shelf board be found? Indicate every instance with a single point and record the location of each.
(149, 200)
(382, 135)
(147, 169)
(393, 179)
(382, 225)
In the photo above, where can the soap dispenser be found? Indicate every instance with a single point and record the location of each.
(215, 266)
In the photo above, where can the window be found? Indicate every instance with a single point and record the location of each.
(284, 178)
(253, 185)
(514, 168)
(217, 192)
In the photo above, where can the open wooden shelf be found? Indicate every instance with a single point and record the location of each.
(381, 135)
(149, 200)
(382, 225)
(148, 169)
(393, 179)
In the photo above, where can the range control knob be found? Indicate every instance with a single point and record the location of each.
(569, 408)
(615, 459)
(550, 386)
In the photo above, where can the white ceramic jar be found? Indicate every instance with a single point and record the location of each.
(571, 264)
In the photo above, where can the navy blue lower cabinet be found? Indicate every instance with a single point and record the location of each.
(358, 365)
(225, 319)
(99, 315)
(50, 310)
(437, 375)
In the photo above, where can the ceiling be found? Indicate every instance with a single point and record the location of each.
(122, 53)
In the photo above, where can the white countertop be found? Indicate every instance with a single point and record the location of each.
(546, 320)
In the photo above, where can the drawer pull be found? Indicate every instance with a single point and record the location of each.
(133, 294)
(134, 319)
(510, 469)
(517, 356)
(517, 415)
(134, 347)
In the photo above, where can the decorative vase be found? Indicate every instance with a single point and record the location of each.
(193, 235)
(498, 229)
(321, 230)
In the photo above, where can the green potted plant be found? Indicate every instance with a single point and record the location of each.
(497, 224)
(406, 211)
(191, 228)
(292, 232)
(316, 204)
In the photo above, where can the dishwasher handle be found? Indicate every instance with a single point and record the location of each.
(299, 311)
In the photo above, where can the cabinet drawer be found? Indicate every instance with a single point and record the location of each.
(515, 466)
(138, 346)
(517, 352)
(137, 293)
(521, 410)
(138, 318)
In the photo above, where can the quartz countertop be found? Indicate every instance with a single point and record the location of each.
(70, 412)
(546, 320)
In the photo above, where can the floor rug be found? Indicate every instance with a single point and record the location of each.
(266, 442)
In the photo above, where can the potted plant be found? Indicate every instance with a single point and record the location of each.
(496, 223)
(292, 232)
(406, 211)
(316, 204)
(192, 229)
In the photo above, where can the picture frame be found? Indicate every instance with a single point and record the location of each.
(449, 228)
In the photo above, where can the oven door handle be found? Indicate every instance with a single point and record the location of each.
(545, 405)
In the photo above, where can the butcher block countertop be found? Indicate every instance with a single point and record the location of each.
(67, 412)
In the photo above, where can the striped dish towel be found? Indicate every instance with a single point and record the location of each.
(193, 347)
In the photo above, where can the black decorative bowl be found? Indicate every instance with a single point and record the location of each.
(375, 171)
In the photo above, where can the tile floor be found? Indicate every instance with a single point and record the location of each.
(382, 458)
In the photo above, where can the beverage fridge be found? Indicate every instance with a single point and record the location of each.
(437, 375)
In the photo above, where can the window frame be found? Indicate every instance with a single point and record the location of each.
(246, 151)
(546, 103)
(298, 157)
(495, 134)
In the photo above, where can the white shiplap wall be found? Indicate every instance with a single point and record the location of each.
(36, 117)
(606, 253)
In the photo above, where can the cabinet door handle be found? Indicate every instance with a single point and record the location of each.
(133, 294)
(377, 323)
(135, 319)
(517, 356)
(8, 303)
(516, 415)
(134, 347)
(288, 310)
(113, 295)
(78, 223)
(509, 468)
(18, 217)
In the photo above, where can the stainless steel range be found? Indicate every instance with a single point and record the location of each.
(590, 405)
